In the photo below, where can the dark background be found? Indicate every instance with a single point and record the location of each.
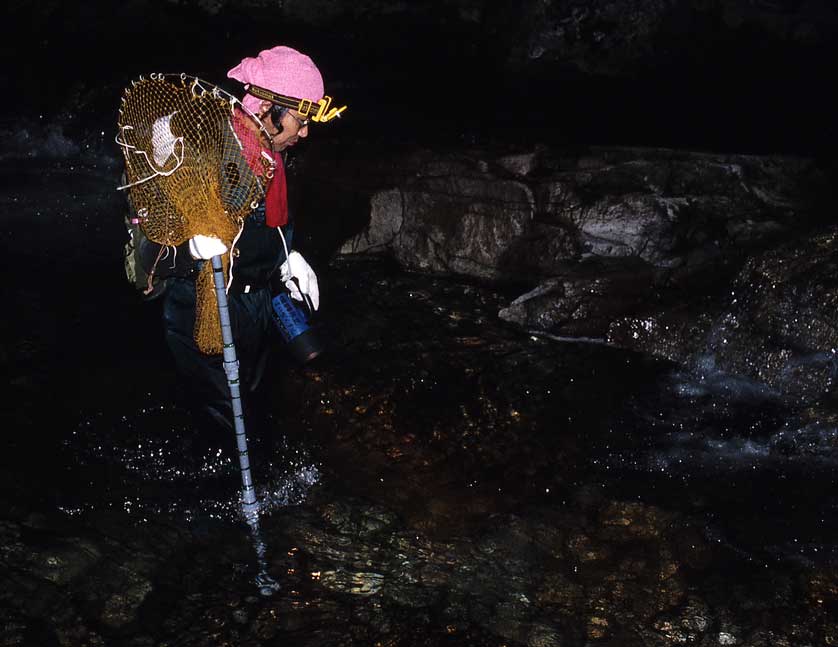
(744, 76)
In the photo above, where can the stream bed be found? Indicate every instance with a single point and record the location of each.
(436, 478)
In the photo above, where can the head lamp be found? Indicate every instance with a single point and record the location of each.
(319, 111)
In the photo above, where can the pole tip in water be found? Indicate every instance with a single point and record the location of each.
(267, 585)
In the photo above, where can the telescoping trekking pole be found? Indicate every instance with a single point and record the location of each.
(250, 505)
(195, 164)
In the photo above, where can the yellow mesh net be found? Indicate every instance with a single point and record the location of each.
(194, 164)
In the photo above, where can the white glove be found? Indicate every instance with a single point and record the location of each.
(206, 247)
(296, 267)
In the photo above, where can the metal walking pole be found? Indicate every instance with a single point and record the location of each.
(250, 505)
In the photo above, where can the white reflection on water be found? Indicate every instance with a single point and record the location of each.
(155, 462)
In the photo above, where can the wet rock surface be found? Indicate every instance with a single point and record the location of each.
(671, 209)
(353, 572)
(595, 236)
(775, 325)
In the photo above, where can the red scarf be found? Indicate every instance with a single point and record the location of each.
(276, 199)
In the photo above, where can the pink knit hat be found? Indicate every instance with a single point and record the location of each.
(283, 70)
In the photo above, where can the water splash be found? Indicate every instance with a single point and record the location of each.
(155, 461)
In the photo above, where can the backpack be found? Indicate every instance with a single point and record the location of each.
(134, 270)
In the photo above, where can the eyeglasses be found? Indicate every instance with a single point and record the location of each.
(277, 113)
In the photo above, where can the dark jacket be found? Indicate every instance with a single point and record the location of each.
(259, 254)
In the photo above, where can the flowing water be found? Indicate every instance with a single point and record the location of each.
(435, 478)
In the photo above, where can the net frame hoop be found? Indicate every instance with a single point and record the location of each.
(199, 88)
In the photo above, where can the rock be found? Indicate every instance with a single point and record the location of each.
(451, 219)
(386, 220)
(610, 37)
(635, 519)
(585, 550)
(358, 583)
(687, 625)
(669, 208)
(633, 225)
(662, 205)
(520, 164)
(601, 238)
(584, 300)
(544, 249)
(121, 607)
(412, 596)
(669, 334)
(357, 520)
(776, 327)
(544, 636)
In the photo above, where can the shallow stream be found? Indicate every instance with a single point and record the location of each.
(436, 478)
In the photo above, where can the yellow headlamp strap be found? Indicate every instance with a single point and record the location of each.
(320, 111)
